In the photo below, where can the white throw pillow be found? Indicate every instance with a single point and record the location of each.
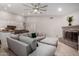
(50, 41)
(30, 41)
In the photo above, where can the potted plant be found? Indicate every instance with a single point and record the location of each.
(70, 19)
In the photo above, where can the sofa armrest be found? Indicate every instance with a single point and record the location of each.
(18, 47)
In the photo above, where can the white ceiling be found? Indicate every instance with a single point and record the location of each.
(52, 9)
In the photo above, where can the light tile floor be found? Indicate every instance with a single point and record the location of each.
(6, 52)
(65, 50)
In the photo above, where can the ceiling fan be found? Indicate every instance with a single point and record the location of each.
(36, 8)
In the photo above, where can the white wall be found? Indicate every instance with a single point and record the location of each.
(31, 23)
(52, 27)
(10, 19)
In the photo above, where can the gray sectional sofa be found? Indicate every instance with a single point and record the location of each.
(30, 47)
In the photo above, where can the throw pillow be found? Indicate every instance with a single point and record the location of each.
(33, 35)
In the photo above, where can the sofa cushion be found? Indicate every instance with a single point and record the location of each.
(50, 41)
(15, 36)
(30, 41)
(44, 50)
(38, 38)
(25, 34)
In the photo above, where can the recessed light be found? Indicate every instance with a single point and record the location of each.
(59, 9)
(9, 5)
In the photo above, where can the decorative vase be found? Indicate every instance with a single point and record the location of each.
(70, 19)
(70, 24)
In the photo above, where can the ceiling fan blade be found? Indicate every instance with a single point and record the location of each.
(35, 4)
(32, 4)
(44, 6)
(27, 6)
(27, 9)
(43, 10)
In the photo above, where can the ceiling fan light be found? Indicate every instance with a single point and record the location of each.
(59, 9)
(9, 5)
(35, 10)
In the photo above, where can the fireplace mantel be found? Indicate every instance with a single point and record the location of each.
(71, 28)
